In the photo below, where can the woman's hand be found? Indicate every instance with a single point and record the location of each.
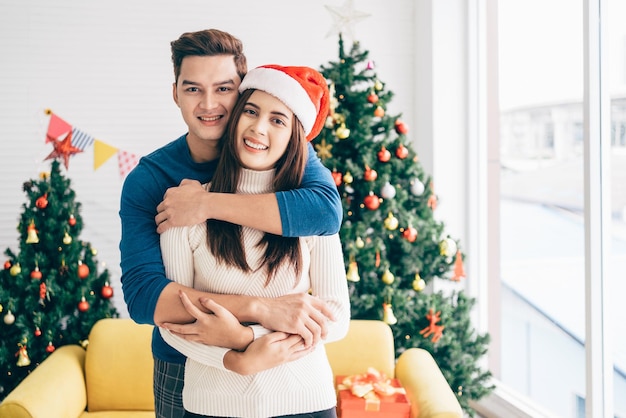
(219, 327)
(266, 352)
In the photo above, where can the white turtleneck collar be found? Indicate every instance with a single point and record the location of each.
(256, 182)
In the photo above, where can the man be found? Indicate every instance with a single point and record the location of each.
(208, 68)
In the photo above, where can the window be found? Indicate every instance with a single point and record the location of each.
(560, 258)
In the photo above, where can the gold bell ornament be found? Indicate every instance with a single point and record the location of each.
(418, 283)
(15, 269)
(22, 357)
(391, 222)
(342, 132)
(388, 277)
(388, 316)
(347, 178)
(353, 272)
(67, 239)
(31, 237)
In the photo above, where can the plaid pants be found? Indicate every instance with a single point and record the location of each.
(168, 389)
(168, 394)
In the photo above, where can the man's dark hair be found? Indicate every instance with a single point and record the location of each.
(208, 42)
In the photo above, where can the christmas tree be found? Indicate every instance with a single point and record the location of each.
(51, 293)
(393, 245)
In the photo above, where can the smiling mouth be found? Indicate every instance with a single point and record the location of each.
(211, 119)
(255, 145)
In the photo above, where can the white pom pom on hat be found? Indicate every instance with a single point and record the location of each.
(302, 89)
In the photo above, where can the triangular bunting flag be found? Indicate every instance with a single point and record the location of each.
(127, 161)
(81, 140)
(57, 128)
(101, 153)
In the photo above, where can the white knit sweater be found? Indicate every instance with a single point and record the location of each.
(304, 385)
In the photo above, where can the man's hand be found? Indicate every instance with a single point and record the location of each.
(182, 206)
(298, 313)
(266, 352)
(219, 328)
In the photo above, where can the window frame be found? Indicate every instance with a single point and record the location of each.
(484, 201)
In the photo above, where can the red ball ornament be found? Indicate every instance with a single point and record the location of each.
(50, 348)
(372, 98)
(83, 305)
(36, 274)
(371, 201)
(410, 234)
(37, 332)
(384, 155)
(338, 177)
(107, 291)
(7, 265)
(71, 220)
(42, 202)
(401, 127)
(402, 152)
(370, 174)
(379, 112)
(83, 270)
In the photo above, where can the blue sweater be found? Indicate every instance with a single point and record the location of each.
(313, 209)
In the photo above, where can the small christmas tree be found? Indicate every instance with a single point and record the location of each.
(51, 293)
(393, 245)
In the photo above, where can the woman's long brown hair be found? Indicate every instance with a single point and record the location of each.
(224, 238)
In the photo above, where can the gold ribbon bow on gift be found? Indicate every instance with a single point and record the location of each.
(370, 386)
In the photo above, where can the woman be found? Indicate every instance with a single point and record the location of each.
(265, 150)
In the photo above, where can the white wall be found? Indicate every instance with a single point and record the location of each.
(105, 67)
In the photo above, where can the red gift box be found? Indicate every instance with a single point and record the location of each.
(371, 404)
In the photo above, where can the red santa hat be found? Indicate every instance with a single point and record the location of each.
(301, 89)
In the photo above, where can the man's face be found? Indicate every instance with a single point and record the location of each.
(206, 92)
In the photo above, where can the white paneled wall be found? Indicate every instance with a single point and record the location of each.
(105, 68)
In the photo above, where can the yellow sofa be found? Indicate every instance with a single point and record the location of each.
(113, 377)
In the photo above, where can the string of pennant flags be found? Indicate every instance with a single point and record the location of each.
(68, 140)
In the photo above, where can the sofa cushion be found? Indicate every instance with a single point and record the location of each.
(119, 366)
(369, 343)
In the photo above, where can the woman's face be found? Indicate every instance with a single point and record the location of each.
(263, 131)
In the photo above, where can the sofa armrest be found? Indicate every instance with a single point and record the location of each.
(427, 389)
(55, 389)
